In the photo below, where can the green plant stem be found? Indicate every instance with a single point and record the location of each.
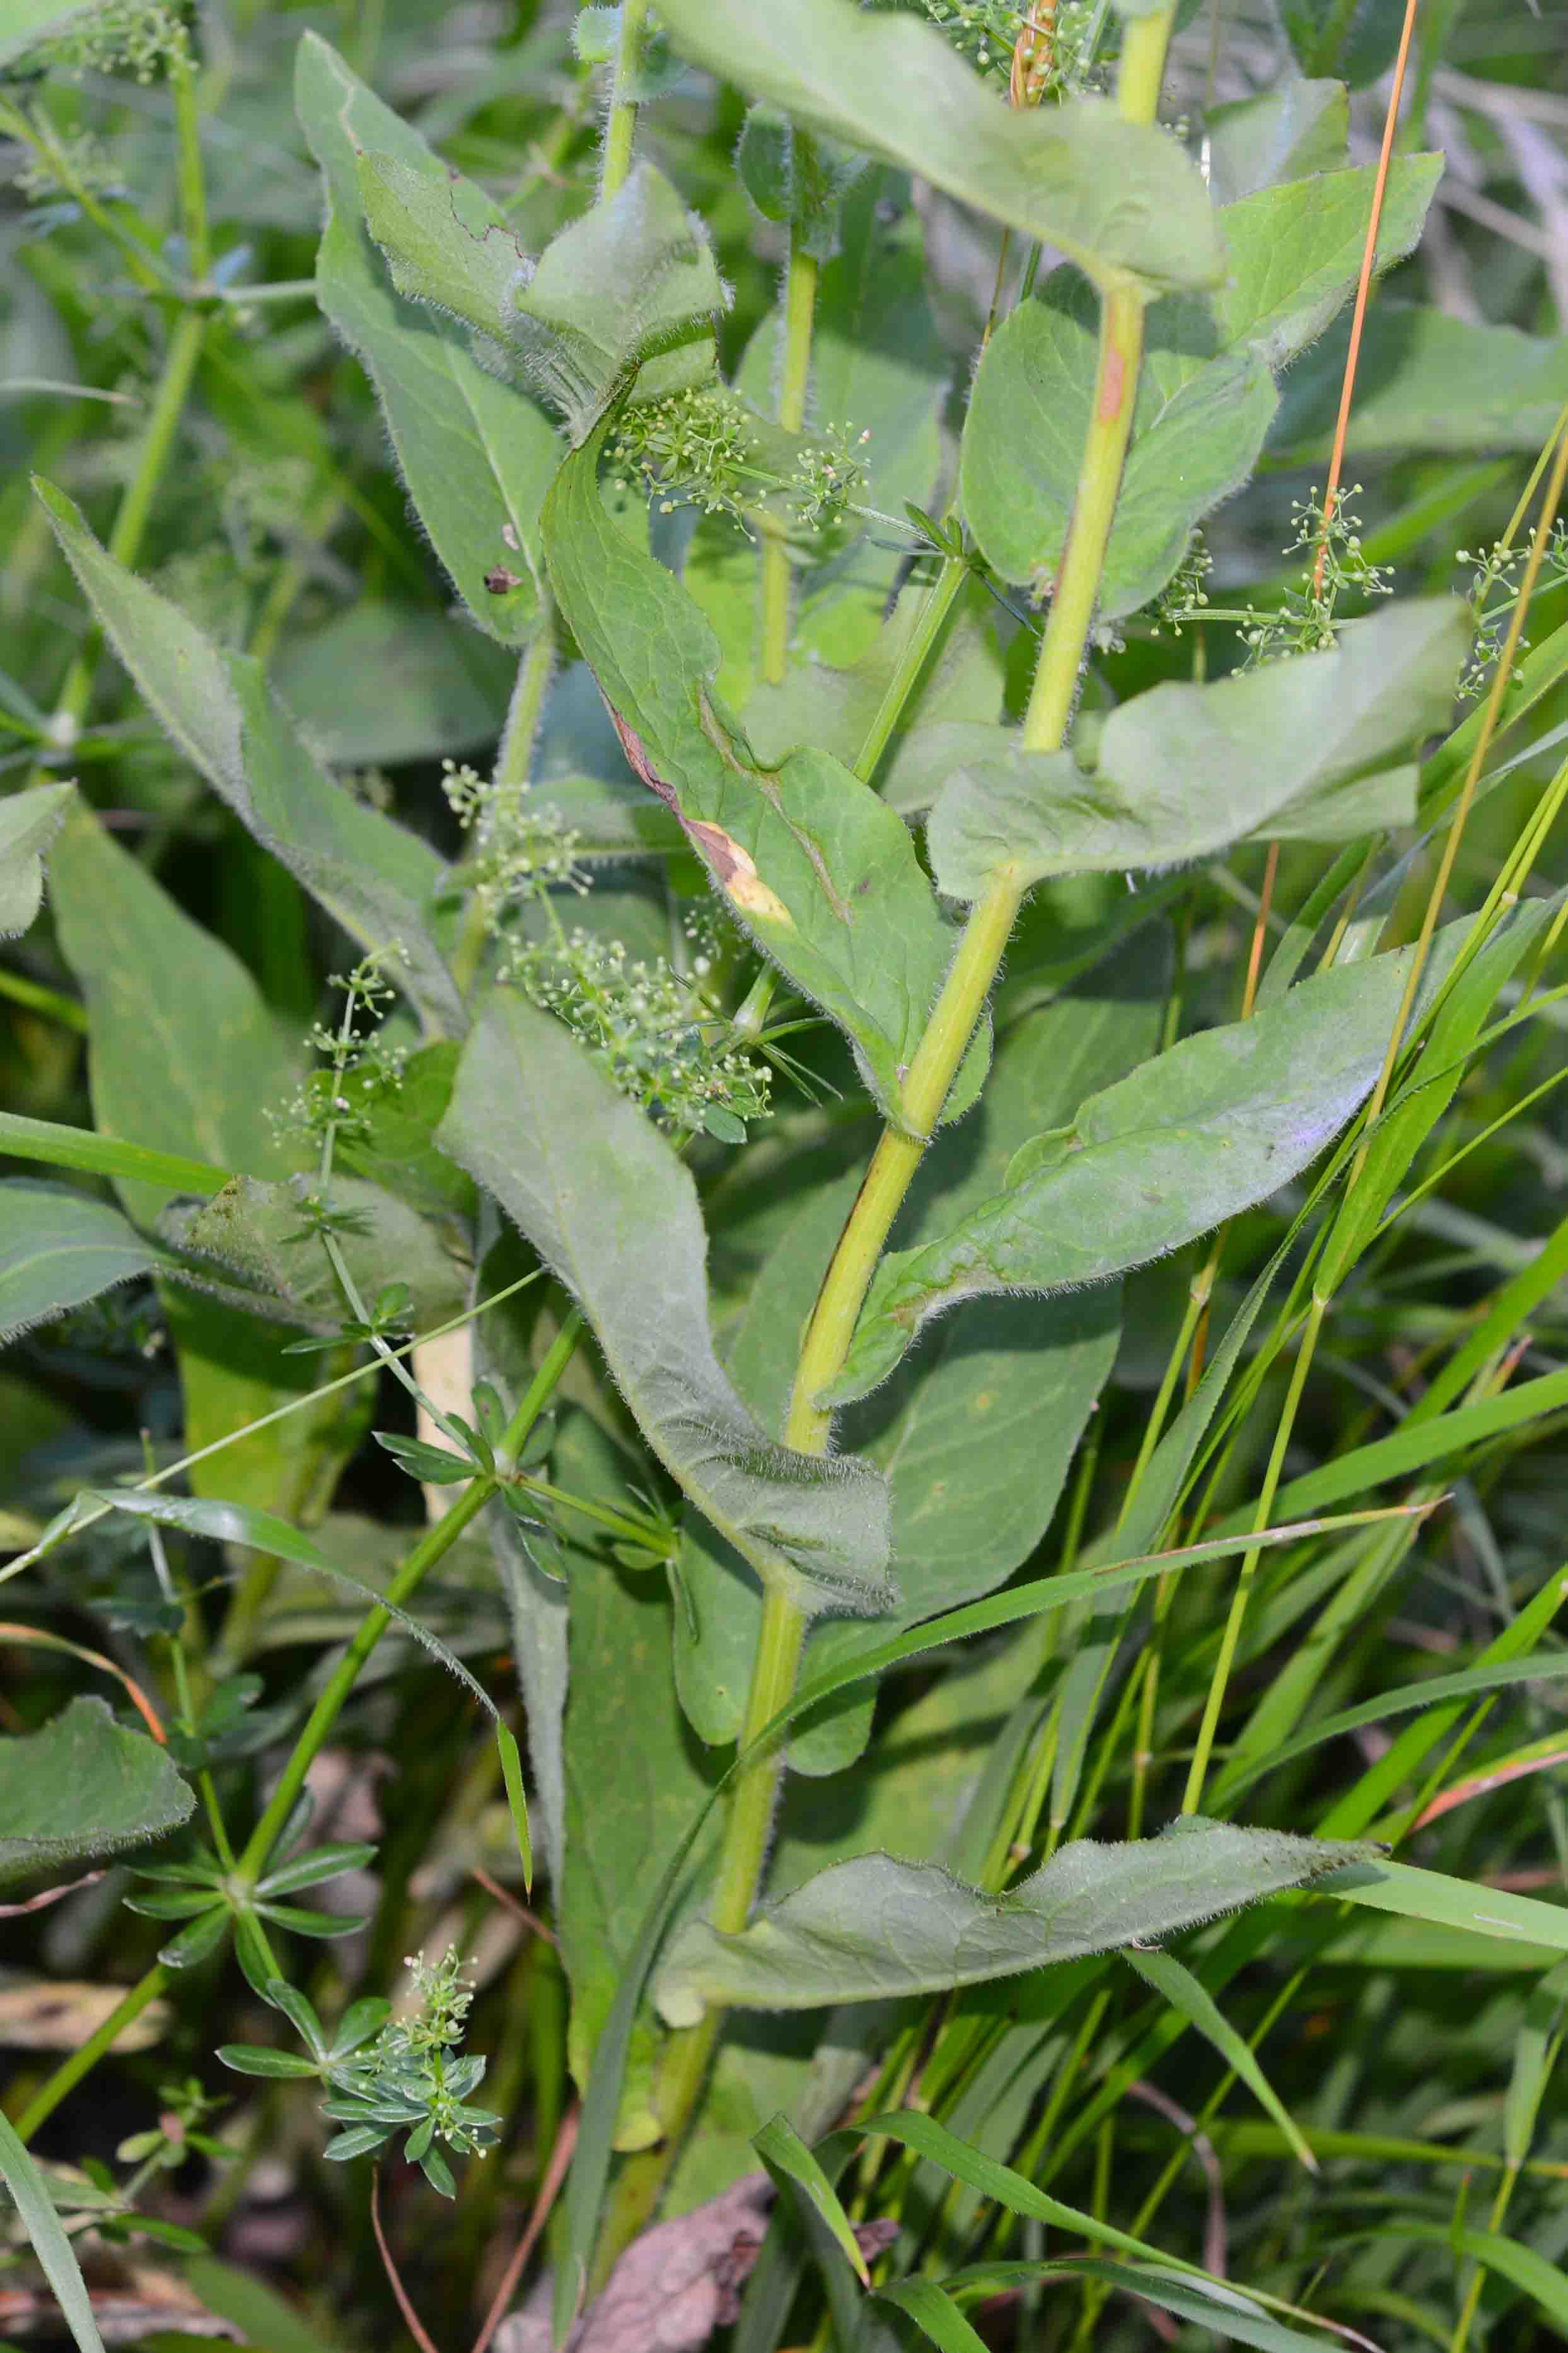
(192, 182)
(432, 1547)
(800, 311)
(621, 128)
(933, 612)
(125, 538)
(83, 2060)
(931, 1071)
(49, 1002)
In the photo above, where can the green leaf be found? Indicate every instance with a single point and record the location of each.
(874, 1928)
(83, 1786)
(586, 1178)
(79, 1147)
(633, 1778)
(1355, 41)
(1288, 133)
(633, 280)
(184, 1054)
(517, 1802)
(29, 823)
(446, 243)
(1193, 444)
(1299, 749)
(252, 2059)
(1425, 382)
(1176, 1983)
(262, 1236)
(58, 1247)
(810, 861)
(261, 2316)
(378, 684)
(977, 1437)
(1111, 196)
(1295, 254)
(1221, 1121)
(377, 879)
(1445, 1903)
(787, 2158)
(476, 452)
(794, 178)
(1218, 2308)
(25, 2183)
(28, 22)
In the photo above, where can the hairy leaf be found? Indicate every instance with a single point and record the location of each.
(1426, 381)
(1193, 444)
(1285, 133)
(58, 1247)
(377, 879)
(819, 870)
(588, 1180)
(83, 1786)
(260, 1235)
(476, 452)
(29, 823)
(185, 1057)
(1112, 196)
(1221, 1121)
(1297, 749)
(875, 1928)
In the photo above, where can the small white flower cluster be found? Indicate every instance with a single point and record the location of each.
(1496, 575)
(520, 848)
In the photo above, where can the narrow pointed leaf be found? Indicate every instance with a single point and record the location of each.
(1111, 196)
(377, 879)
(57, 1147)
(1177, 1984)
(784, 2153)
(54, 2251)
(587, 1179)
(876, 1928)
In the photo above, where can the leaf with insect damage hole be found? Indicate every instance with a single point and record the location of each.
(875, 1928)
(589, 1181)
(1198, 1133)
(820, 871)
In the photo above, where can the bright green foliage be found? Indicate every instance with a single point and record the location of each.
(1426, 382)
(876, 1927)
(586, 1179)
(1285, 133)
(82, 1787)
(1110, 196)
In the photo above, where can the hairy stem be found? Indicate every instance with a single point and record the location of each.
(800, 311)
(621, 128)
(931, 1071)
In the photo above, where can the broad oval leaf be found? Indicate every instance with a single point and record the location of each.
(58, 1247)
(1115, 197)
(820, 871)
(1221, 1121)
(378, 880)
(875, 1928)
(83, 1786)
(1426, 381)
(590, 1182)
(1194, 443)
(1298, 749)
(260, 1237)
